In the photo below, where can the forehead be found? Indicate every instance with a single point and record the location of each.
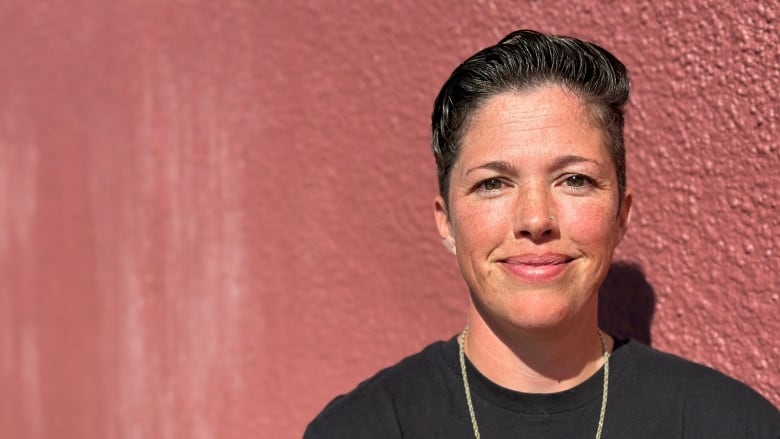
(547, 120)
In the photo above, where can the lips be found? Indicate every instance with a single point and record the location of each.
(536, 268)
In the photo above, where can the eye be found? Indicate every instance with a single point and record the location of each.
(578, 182)
(492, 184)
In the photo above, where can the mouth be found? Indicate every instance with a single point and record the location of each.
(536, 268)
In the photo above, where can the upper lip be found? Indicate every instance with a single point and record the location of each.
(538, 259)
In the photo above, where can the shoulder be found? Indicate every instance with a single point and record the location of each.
(663, 367)
(371, 410)
(707, 398)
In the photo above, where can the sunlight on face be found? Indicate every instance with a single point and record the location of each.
(533, 213)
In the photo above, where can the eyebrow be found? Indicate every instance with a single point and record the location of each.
(567, 160)
(498, 166)
(560, 162)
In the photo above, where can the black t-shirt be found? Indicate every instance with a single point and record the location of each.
(651, 395)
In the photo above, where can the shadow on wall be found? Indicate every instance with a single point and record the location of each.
(626, 303)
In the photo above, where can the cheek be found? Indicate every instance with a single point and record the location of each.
(591, 224)
(481, 224)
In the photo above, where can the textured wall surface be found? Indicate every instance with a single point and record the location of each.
(215, 216)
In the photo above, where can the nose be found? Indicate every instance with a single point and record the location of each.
(535, 219)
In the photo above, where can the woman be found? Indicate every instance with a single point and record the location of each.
(528, 139)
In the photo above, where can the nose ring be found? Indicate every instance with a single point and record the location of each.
(552, 218)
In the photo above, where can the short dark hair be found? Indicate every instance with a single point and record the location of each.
(522, 60)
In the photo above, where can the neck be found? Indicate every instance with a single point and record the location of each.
(536, 360)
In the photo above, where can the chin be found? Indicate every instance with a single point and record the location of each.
(539, 318)
(540, 310)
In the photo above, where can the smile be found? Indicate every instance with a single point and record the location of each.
(533, 268)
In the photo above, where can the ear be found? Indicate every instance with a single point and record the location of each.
(443, 223)
(624, 216)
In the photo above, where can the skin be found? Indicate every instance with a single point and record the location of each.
(533, 216)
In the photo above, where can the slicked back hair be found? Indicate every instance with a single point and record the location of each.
(521, 61)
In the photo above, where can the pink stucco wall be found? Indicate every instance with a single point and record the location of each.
(214, 216)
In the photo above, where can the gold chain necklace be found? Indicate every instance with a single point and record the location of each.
(604, 392)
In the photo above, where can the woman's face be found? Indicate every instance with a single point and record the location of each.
(533, 213)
